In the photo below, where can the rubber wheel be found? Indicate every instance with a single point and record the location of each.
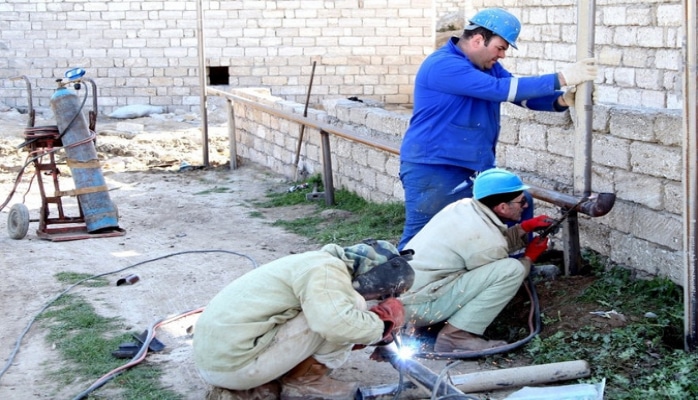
(18, 221)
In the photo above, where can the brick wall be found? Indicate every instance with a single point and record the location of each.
(145, 52)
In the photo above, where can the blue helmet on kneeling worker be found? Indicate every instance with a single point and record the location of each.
(497, 185)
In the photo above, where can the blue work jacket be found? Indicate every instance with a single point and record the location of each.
(456, 116)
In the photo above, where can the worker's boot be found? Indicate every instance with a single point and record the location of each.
(451, 339)
(308, 381)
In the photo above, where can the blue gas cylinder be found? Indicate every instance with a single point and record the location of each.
(96, 205)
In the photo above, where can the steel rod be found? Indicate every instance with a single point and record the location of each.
(305, 114)
(328, 182)
(690, 177)
(202, 79)
(583, 100)
(232, 142)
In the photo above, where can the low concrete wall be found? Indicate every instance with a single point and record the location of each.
(636, 155)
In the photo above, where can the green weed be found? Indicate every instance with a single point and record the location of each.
(641, 360)
(365, 220)
(215, 189)
(74, 277)
(85, 339)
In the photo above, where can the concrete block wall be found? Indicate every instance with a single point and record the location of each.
(145, 52)
(638, 45)
(272, 141)
(635, 154)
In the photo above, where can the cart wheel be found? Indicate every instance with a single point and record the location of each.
(18, 221)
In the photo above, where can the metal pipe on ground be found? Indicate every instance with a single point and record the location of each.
(419, 376)
(485, 380)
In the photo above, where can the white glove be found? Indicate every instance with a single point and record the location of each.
(579, 72)
(569, 96)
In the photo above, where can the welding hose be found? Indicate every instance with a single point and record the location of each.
(140, 356)
(25, 331)
(534, 326)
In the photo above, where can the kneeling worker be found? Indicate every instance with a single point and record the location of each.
(300, 316)
(463, 272)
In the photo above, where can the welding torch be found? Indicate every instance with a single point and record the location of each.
(553, 228)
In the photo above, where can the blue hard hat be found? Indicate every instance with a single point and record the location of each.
(500, 22)
(496, 181)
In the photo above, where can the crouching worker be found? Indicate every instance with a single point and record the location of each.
(463, 272)
(296, 318)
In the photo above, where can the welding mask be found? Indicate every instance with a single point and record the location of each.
(380, 270)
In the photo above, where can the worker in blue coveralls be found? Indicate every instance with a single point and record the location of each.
(455, 123)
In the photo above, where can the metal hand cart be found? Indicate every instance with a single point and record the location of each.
(42, 143)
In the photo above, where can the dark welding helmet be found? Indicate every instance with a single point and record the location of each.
(380, 270)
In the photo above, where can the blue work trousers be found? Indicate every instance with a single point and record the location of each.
(429, 188)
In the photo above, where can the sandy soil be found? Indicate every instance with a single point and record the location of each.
(193, 230)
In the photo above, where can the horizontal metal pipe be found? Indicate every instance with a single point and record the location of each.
(421, 376)
(492, 380)
(596, 205)
(521, 376)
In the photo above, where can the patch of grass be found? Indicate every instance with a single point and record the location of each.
(450, 27)
(255, 214)
(365, 220)
(215, 189)
(86, 340)
(74, 277)
(641, 360)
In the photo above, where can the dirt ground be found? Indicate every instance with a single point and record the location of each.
(195, 224)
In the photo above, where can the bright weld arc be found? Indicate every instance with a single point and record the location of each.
(406, 352)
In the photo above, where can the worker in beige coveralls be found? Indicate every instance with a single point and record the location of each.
(464, 274)
(294, 319)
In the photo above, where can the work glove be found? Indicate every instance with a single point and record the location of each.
(536, 223)
(569, 96)
(580, 72)
(392, 313)
(535, 248)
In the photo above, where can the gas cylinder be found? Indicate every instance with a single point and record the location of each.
(97, 208)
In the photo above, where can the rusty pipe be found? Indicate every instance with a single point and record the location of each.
(481, 381)
(30, 102)
(596, 205)
(419, 376)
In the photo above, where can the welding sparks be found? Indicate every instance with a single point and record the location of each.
(406, 352)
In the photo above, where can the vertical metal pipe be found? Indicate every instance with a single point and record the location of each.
(202, 78)
(327, 180)
(232, 143)
(572, 257)
(690, 177)
(584, 109)
(582, 134)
